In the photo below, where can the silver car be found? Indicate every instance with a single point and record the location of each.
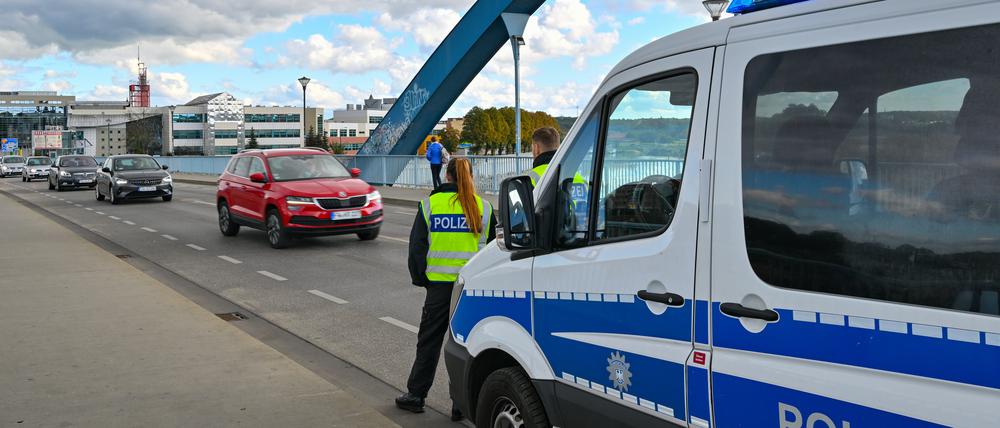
(36, 167)
(11, 165)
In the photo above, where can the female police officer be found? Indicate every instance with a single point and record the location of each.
(451, 226)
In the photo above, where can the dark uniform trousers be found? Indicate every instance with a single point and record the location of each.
(436, 174)
(433, 327)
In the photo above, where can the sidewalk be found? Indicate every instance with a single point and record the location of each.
(396, 195)
(90, 341)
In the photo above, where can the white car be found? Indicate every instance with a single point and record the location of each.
(786, 218)
(36, 167)
(11, 166)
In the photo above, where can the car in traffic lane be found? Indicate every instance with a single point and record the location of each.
(36, 167)
(11, 165)
(73, 172)
(126, 177)
(296, 192)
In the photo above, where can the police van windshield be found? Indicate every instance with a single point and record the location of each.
(306, 167)
(865, 181)
(13, 159)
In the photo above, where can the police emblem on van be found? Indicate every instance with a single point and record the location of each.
(619, 374)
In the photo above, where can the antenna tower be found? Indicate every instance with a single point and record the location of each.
(138, 91)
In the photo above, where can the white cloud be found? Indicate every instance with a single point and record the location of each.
(567, 28)
(170, 51)
(637, 20)
(15, 46)
(172, 87)
(58, 85)
(107, 92)
(356, 49)
(428, 26)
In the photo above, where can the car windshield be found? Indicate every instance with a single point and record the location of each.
(137, 163)
(13, 159)
(305, 167)
(77, 162)
(38, 161)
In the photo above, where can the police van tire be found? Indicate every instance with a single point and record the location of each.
(508, 394)
(369, 235)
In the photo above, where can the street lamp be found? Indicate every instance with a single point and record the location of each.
(304, 81)
(715, 7)
(107, 133)
(515, 23)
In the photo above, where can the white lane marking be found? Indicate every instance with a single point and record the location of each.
(130, 223)
(272, 276)
(200, 202)
(400, 324)
(230, 260)
(169, 237)
(333, 299)
(114, 218)
(405, 241)
(69, 202)
(78, 205)
(150, 230)
(405, 212)
(89, 209)
(196, 247)
(99, 212)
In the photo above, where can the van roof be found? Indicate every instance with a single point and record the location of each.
(715, 33)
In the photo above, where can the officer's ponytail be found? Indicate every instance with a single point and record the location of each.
(460, 170)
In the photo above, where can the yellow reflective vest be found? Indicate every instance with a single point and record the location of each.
(452, 244)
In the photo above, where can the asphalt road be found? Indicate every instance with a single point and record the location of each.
(349, 297)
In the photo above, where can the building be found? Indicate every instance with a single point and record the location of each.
(456, 123)
(22, 112)
(352, 126)
(219, 124)
(106, 128)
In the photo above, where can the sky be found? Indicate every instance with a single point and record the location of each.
(256, 49)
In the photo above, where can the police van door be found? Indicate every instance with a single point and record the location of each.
(856, 265)
(613, 302)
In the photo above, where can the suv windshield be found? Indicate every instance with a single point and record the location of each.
(137, 163)
(304, 167)
(13, 159)
(77, 162)
(38, 161)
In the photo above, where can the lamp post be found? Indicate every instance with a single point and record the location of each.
(304, 81)
(715, 7)
(515, 23)
(107, 133)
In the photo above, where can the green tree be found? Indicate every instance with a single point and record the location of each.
(252, 142)
(450, 138)
(315, 140)
(337, 148)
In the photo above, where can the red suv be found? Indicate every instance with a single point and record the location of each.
(296, 192)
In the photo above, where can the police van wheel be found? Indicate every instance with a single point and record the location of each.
(368, 235)
(508, 400)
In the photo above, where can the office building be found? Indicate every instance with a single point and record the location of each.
(106, 128)
(22, 112)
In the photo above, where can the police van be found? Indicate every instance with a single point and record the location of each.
(786, 218)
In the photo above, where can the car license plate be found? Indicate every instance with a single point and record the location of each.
(147, 189)
(345, 215)
(86, 181)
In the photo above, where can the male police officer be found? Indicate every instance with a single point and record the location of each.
(544, 143)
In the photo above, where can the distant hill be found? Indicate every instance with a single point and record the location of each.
(565, 123)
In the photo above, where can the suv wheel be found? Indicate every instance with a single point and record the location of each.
(168, 198)
(369, 235)
(97, 193)
(507, 399)
(226, 223)
(51, 187)
(277, 236)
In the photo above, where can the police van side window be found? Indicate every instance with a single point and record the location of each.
(872, 169)
(576, 171)
(643, 157)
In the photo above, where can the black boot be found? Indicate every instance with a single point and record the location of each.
(410, 402)
(456, 414)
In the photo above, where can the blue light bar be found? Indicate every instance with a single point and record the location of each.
(747, 6)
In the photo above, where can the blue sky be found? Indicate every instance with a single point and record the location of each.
(351, 48)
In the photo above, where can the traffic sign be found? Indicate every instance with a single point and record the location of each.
(8, 144)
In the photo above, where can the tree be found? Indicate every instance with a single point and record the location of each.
(450, 138)
(252, 143)
(337, 148)
(315, 140)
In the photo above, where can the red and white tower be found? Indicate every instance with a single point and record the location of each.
(138, 91)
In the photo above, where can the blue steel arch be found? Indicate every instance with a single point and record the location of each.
(442, 79)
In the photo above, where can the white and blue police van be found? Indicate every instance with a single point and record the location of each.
(787, 218)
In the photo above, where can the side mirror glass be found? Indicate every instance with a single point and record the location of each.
(165, 167)
(355, 172)
(517, 215)
(258, 177)
(106, 169)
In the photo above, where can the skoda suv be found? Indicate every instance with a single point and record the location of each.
(296, 192)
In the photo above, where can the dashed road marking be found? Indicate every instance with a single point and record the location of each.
(272, 276)
(89, 209)
(408, 327)
(200, 202)
(405, 212)
(99, 212)
(114, 218)
(195, 247)
(230, 260)
(150, 230)
(169, 237)
(405, 241)
(130, 223)
(78, 205)
(333, 299)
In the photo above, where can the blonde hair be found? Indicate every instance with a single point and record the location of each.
(460, 170)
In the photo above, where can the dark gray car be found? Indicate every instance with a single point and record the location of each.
(72, 172)
(133, 177)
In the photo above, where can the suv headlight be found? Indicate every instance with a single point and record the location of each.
(374, 196)
(298, 200)
(121, 181)
(64, 174)
(167, 180)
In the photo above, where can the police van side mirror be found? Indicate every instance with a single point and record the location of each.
(517, 230)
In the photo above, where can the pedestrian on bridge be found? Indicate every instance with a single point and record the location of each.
(450, 227)
(436, 155)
